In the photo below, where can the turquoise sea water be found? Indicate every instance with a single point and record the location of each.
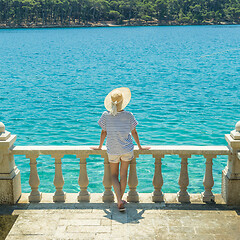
(185, 84)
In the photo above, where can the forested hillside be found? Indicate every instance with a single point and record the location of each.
(135, 12)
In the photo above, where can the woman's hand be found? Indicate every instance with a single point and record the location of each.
(144, 148)
(136, 138)
(102, 138)
(96, 148)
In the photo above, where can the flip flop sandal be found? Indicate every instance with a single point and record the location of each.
(122, 208)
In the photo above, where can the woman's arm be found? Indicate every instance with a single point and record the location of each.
(102, 138)
(136, 138)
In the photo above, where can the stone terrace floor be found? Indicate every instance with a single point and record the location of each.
(143, 220)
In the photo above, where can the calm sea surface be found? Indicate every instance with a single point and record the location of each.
(185, 84)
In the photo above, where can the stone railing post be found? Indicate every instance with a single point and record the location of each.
(59, 195)
(35, 195)
(107, 181)
(10, 180)
(208, 182)
(231, 173)
(133, 181)
(83, 181)
(157, 195)
(183, 181)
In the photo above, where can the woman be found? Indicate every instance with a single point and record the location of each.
(117, 125)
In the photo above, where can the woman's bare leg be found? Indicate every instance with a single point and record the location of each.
(123, 176)
(116, 184)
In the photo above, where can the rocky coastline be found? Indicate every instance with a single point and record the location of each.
(124, 23)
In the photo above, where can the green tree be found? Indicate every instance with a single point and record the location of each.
(65, 12)
(161, 9)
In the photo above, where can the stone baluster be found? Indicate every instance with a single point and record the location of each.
(83, 181)
(35, 195)
(59, 195)
(133, 181)
(107, 181)
(207, 195)
(157, 195)
(183, 181)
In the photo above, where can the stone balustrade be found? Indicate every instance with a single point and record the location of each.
(83, 152)
(230, 173)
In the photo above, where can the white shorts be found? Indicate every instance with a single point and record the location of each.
(124, 157)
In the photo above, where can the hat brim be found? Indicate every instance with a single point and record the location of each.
(126, 93)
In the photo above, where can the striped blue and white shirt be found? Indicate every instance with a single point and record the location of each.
(119, 140)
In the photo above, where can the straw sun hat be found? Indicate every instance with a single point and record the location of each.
(117, 100)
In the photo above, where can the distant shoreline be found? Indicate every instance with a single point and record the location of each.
(111, 24)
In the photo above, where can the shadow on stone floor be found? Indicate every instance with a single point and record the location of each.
(132, 215)
(6, 223)
(8, 209)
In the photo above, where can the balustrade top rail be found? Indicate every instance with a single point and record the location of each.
(163, 150)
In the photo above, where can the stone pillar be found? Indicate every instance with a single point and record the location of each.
(10, 180)
(183, 181)
(34, 181)
(107, 181)
(231, 173)
(133, 181)
(83, 181)
(157, 195)
(59, 195)
(208, 182)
